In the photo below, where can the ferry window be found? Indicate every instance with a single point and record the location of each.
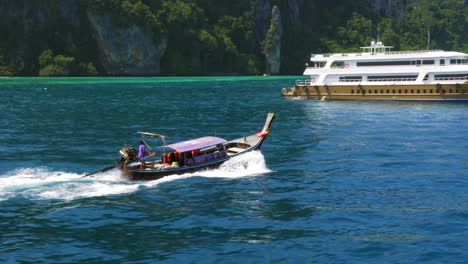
(450, 77)
(430, 91)
(383, 63)
(388, 91)
(427, 62)
(376, 91)
(352, 91)
(424, 91)
(377, 78)
(393, 91)
(426, 77)
(318, 64)
(381, 91)
(370, 91)
(442, 62)
(399, 91)
(406, 91)
(350, 78)
(452, 61)
(337, 64)
(450, 90)
(418, 91)
(412, 91)
(456, 90)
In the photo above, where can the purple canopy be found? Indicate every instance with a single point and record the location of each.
(197, 143)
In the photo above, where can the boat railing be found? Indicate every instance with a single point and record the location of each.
(287, 90)
(451, 78)
(326, 55)
(303, 82)
(350, 80)
(392, 80)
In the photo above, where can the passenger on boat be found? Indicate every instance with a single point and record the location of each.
(167, 160)
(141, 154)
(221, 150)
(181, 159)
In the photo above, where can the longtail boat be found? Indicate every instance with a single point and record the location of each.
(186, 156)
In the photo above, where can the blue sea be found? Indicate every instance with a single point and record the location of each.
(336, 182)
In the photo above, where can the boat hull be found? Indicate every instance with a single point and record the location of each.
(140, 175)
(432, 92)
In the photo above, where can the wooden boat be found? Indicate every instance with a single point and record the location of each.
(187, 156)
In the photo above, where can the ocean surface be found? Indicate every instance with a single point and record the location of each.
(336, 182)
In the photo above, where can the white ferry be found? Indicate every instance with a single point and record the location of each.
(378, 73)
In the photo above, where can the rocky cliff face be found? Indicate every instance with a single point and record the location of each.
(56, 25)
(393, 8)
(22, 20)
(268, 32)
(274, 35)
(126, 50)
(262, 19)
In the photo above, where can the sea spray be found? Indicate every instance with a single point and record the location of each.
(44, 183)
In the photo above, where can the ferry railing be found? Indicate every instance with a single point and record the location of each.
(451, 78)
(392, 80)
(381, 80)
(303, 82)
(350, 80)
(326, 55)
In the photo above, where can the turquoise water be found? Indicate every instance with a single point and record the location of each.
(336, 182)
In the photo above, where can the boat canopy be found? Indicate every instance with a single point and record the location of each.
(197, 143)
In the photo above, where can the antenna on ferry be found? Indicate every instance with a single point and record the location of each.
(428, 38)
(378, 33)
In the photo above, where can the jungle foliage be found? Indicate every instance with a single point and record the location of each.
(208, 37)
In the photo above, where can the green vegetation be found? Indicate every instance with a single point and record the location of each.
(61, 65)
(206, 37)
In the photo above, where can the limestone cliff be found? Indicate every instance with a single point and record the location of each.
(393, 8)
(51, 22)
(272, 43)
(262, 19)
(126, 50)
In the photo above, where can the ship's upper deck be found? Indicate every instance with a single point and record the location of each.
(378, 51)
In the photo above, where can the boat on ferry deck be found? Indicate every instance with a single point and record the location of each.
(378, 73)
(187, 156)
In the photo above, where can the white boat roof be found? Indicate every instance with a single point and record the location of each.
(394, 55)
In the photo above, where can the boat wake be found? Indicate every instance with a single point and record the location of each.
(43, 184)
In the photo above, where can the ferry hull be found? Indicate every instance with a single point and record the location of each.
(435, 92)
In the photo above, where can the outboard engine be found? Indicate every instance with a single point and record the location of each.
(128, 154)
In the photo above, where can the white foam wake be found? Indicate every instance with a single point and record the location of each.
(42, 183)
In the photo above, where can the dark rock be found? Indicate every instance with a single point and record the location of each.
(126, 50)
(273, 41)
(294, 9)
(262, 19)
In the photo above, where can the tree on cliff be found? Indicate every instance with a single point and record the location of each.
(5, 69)
(61, 65)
